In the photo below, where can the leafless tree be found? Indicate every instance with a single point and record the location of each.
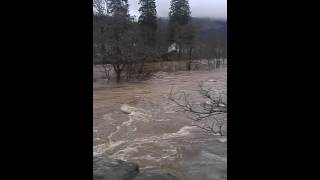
(106, 69)
(210, 115)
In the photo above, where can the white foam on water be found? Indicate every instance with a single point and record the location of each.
(184, 131)
(170, 108)
(115, 144)
(123, 154)
(211, 156)
(162, 120)
(99, 149)
(223, 140)
(126, 108)
(147, 167)
(162, 142)
(112, 134)
(170, 156)
(129, 122)
(95, 154)
(102, 148)
(135, 114)
(157, 159)
(147, 157)
(129, 109)
(107, 116)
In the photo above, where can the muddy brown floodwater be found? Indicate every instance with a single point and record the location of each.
(135, 121)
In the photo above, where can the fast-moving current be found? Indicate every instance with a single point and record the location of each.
(135, 121)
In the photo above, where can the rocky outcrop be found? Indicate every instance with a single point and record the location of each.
(105, 168)
(155, 176)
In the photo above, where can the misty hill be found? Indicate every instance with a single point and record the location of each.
(206, 26)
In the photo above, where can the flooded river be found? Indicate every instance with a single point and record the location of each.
(135, 121)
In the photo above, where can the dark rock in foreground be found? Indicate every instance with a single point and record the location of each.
(105, 168)
(155, 176)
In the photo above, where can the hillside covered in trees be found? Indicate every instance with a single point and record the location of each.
(121, 41)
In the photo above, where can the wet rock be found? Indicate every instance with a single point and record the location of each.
(155, 176)
(126, 108)
(129, 109)
(160, 74)
(105, 168)
(223, 140)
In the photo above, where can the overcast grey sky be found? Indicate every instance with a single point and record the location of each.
(199, 8)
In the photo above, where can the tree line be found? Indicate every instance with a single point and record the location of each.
(126, 43)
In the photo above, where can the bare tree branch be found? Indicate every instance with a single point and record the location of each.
(204, 115)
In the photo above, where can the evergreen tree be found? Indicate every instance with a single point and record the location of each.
(118, 8)
(179, 15)
(119, 11)
(180, 28)
(148, 22)
(179, 11)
